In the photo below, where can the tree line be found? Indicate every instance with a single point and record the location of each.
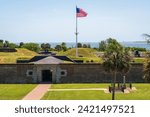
(46, 47)
(102, 46)
(7, 44)
(59, 47)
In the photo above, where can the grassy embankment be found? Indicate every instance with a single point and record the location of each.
(85, 54)
(11, 57)
(15, 91)
(142, 93)
(88, 54)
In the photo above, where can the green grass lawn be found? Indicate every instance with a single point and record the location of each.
(142, 93)
(78, 86)
(84, 52)
(139, 60)
(15, 91)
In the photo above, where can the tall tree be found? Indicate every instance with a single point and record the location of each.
(79, 45)
(89, 46)
(85, 46)
(116, 60)
(63, 46)
(58, 47)
(1, 43)
(21, 44)
(102, 45)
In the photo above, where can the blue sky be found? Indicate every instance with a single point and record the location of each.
(54, 20)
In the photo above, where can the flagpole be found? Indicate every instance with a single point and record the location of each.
(76, 33)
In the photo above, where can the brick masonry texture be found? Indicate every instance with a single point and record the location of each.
(75, 73)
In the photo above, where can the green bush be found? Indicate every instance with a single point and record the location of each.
(32, 46)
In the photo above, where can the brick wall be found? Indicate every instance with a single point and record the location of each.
(86, 73)
(76, 73)
(15, 73)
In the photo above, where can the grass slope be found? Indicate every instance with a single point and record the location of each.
(142, 93)
(10, 57)
(14, 91)
(85, 54)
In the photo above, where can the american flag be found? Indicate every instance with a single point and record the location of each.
(80, 12)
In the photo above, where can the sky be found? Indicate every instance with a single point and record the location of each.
(54, 20)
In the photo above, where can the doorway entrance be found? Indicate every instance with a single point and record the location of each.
(46, 75)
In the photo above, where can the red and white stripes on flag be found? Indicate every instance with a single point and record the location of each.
(80, 12)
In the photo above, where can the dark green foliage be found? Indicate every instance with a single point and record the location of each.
(89, 46)
(85, 46)
(45, 46)
(79, 45)
(58, 48)
(116, 60)
(12, 45)
(21, 44)
(1, 44)
(6, 44)
(116, 57)
(1, 41)
(32, 46)
(102, 46)
(63, 46)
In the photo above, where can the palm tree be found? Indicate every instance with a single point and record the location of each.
(116, 60)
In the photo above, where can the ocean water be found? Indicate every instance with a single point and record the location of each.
(96, 44)
(137, 44)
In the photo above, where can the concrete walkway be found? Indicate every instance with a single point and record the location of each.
(38, 92)
(128, 90)
(92, 89)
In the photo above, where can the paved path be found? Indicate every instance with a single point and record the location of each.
(38, 92)
(78, 89)
(128, 90)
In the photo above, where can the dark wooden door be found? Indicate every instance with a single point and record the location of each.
(46, 76)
